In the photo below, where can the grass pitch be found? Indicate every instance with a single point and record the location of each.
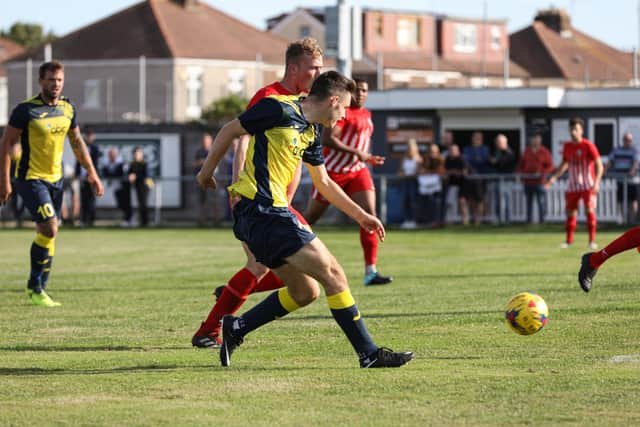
(118, 352)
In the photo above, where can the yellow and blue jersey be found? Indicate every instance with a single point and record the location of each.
(280, 138)
(44, 128)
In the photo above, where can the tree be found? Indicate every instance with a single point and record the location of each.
(28, 35)
(224, 109)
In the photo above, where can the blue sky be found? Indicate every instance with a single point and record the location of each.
(613, 21)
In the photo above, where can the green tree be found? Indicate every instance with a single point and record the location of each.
(28, 35)
(224, 109)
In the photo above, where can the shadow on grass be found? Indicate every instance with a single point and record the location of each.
(20, 372)
(402, 315)
(61, 348)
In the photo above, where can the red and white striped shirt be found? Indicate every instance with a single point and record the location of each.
(356, 130)
(581, 158)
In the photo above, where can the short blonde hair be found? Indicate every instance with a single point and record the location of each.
(305, 46)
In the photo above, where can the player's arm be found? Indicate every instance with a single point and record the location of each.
(331, 139)
(599, 171)
(239, 156)
(558, 173)
(334, 194)
(221, 144)
(81, 152)
(9, 138)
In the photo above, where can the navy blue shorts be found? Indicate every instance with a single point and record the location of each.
(42, 198)
(272, 234)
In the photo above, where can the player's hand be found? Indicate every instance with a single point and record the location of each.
(376, 160)
(363, 156)
(96, 185)
(233, 200)
(547, 185)
(5, 191)
(373, 225)
(596, 188)
(206, 181)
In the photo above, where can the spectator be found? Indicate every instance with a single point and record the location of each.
(201, 155)
(447, 142)
(477, 158)
(535, 164)
(623, 166)
(115, 172)
(456, 170)
(430, 185)
(503, 163)
(142, 183)
(411, 163)
(87, 197)
(70, 208)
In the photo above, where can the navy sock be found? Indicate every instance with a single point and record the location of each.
(344, 311)
(45, 272)
(278, 304)
(39, 259)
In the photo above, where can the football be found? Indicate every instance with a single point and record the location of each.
(527, 313)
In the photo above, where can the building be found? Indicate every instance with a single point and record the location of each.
(140, 64)
(8, 50)
(418, 49)
(556, 53)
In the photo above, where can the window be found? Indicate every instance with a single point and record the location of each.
(379, 25)
(236, 82)
(496, 38)
(305, 31)
(194, 92)
(466, 38)
(91, 94)
(408, 34)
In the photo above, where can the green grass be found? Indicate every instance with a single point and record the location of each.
(118, 352)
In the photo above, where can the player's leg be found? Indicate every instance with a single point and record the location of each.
(230, 299)
(590, 201)
(362, 191)
(38, 200)
(316, 261)
(571, 206)
(57, 195)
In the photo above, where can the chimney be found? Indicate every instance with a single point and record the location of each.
(186, 3)
(557, 20)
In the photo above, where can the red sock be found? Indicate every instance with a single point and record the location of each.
(369, 242)
(591, 226)
(629, 240)
(570, 226)
(270, 282)
(232, 297)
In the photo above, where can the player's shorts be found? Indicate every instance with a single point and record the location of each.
(271, 233)
(572, 199)
(352, 182)
(42, 198)
(291, 208)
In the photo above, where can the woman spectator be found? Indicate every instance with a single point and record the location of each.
(430, 185)
(456, 170)
(411, 162)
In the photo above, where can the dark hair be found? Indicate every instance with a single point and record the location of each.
(306, 46)
(52, 66)
(576, 121)
(331, 83)
(357, 80)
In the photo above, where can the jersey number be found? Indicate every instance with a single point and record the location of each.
(46, 211)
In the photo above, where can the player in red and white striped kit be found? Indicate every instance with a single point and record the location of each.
(346, 154)
(582, 159)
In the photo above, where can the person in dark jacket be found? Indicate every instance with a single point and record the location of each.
(504, 163)
(115, 172)
(141, 181)
(87, 197)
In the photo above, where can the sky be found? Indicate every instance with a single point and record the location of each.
(613, 21)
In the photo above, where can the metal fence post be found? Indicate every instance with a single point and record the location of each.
(383, 199)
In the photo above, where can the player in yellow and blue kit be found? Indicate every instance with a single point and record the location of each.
(284, 130)
(41, 124)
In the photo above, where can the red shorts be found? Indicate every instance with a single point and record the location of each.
(573, 198)
(352, 182)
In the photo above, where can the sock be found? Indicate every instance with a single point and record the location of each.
(39, 259)
(591, 226)
(570, 226)
(629, 240)
(232, 297)
(370, 269)
(369, 242)
(47, 267)
(344, 311)
(278, 304)
(270, 282)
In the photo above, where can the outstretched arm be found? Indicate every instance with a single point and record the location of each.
(81, 152)
(331, 139)
(9, 138)
(222, 142)
(334, 194)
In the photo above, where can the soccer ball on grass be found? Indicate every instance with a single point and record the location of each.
(527, 313)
